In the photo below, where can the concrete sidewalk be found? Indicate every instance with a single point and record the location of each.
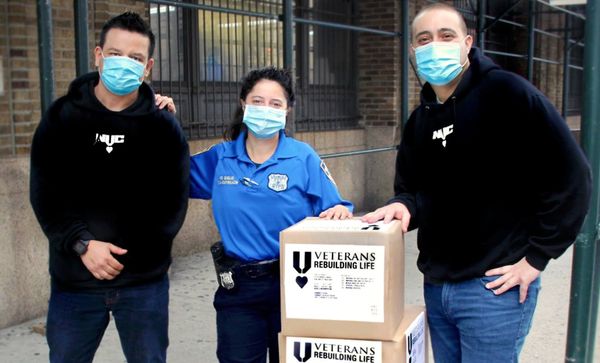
(192, 324)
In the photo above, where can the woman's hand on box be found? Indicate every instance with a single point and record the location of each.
(336, 212)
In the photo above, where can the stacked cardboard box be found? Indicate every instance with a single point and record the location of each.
(342, 294)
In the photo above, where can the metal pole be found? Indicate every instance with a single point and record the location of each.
(595, 290)
(82, 52)
(358, 152)
(44, 12)
(566, 70)
(531, 39)
(481, 24)
(288, 34)
(330, 24)
(288, 50)
(405, 44)
(585, 280)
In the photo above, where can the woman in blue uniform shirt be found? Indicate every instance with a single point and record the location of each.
(260, 182)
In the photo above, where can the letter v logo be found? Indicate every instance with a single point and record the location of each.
(307, 351)
(307, 262)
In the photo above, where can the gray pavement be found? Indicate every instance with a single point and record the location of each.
(192, 318)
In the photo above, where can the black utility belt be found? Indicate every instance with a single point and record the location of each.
(229, 269)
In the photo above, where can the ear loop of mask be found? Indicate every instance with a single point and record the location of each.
(412, 65)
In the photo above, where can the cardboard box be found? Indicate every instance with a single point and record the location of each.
(410, 344)
(342, 279)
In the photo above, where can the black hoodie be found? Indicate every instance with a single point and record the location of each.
(118, 177)
(490, 176)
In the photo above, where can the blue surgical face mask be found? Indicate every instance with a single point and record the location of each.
(264, 122)
(121, 75)
(439, 62)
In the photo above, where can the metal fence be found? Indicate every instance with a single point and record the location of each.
(544, 43)
(204, 49)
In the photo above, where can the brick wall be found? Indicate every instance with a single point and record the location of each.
(20, 101)
(414, 87)
(378, 63)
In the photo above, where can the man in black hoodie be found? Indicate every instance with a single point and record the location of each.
(490, 174)
(109, 186)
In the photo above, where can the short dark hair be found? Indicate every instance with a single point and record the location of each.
(132, 22)
(279, 75)
(441, 6)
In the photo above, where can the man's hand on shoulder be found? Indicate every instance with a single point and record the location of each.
(521, 273)
(165, 101)
(389, 212)
(99, 260)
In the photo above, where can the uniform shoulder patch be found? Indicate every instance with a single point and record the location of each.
(327, 173)
(278, 182)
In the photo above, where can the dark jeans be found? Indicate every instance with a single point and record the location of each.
(248, 320)
(77, 321)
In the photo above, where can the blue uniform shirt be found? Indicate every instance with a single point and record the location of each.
(252, 204)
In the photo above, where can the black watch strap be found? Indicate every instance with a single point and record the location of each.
(80, 247)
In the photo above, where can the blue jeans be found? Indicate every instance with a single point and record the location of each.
(77, 321)
(469, 324)
(248, 320)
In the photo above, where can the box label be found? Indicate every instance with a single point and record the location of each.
(317, 350)
(349, 225)
(334, 282)
(415, 340)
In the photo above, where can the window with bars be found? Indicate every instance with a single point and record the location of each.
(202, 54)
(506, 42)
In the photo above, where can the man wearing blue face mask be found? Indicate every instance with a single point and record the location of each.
(109, 186)
(490, 174)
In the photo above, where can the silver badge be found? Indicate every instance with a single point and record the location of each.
(278, 182)
(227, 280)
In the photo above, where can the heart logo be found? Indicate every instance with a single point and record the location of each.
(301, 281)
(109, 149)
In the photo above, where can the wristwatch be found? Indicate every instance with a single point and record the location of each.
(80, 247)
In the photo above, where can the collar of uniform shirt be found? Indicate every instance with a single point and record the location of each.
(284, 149)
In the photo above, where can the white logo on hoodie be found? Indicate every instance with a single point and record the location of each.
(442, 133)
(110, 140)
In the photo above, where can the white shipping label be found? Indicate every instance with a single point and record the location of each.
(352, 225)
(415, 340)
(316, 350)
(334, 282)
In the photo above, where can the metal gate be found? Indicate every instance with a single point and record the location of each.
(204, 49)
